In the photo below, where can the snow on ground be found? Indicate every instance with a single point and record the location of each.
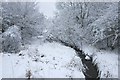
(0, 66)
(108, 64)
(50, 60)
(107, 61)
(13, 66)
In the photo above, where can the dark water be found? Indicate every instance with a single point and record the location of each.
(90, 69)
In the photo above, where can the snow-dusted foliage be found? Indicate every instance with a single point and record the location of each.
(106, 29)
(72, 44)
(0, 18)
(11, 40)
(0, 26)
(26, 15)
(86, 22)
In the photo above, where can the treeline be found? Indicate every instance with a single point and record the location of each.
(77, 23)
(20, 22)
(92, 23)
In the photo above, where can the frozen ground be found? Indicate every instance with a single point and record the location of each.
(0, 66)
(107, 61)
(52, 60)
(108, 64)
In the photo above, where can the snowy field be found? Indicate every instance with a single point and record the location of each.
(0, 66)
(52, 60)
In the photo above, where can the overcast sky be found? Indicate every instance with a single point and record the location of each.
(48, 8)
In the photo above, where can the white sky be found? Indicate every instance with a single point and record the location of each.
(48, 8)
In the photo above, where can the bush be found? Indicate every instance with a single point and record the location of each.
(11, 40)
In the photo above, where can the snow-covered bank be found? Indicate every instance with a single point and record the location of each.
(53, 60)
(50, 60)
(108, 64)
(0, 66)
(107, 61)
